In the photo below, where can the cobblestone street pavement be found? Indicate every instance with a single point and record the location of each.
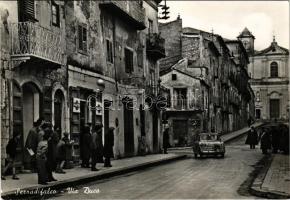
(189, 178)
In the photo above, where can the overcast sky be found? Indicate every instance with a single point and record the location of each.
(228, 18)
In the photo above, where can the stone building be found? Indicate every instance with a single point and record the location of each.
(112, 49)
(219, 64)
(269, 72)
(82, 62)
(33, 70)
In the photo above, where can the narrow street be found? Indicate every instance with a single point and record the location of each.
(189, 178)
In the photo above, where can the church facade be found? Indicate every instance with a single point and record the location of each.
(269, 72)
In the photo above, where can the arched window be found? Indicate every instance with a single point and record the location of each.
(274, 69)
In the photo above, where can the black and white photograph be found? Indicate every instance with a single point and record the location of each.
(144, 99)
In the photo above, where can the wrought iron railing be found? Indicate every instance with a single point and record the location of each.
(156, 44)
(30, 39)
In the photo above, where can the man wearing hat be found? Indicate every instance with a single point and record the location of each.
(108, 147)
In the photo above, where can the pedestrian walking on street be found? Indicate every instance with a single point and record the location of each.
(11, 152)
(41, 159)
(97, 147)
(284, 139)
(108, 147)
(165, 140)
(265, 141)
(252, 138)
(31, 144)
(85, 147)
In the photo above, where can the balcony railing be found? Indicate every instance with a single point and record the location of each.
(31, 40)
(185, 105)
(155, 46)
(131, 11)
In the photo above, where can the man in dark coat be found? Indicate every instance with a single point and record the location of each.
(11, 152)
(275, 133)
(97, 147)
(85, 147)
(51, 152)
(265, 141)
(252, 138)
(32, 142)
(165, 140)
(108, 147)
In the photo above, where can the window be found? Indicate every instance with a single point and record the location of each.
(109, 51)
(128, 61)
(258, 114)
(173, 77)
(82, 34)
(55, 14)
(150, 26)
(274, 69)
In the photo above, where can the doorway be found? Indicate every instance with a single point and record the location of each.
(274, 108)
(180, 132)
(58, 112)
(31, 107)
(128, 126)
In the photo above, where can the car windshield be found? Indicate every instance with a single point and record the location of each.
(208, 137)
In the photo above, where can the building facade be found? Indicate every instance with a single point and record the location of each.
(81, 62)
(220, 65)
(269, 72)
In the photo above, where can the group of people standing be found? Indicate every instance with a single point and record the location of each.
(45, 150)
(91, 147)
(271, 137)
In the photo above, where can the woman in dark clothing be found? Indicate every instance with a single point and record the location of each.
(11, 152)
(252, 138)
(97, 147)
(51, 152)
(265, 141)
(85, 147)
(108, 147)
(165, 140)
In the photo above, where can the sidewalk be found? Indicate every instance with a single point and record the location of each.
(274, 180)
(79, 175)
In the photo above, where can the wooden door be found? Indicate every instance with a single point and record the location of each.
(274, 108)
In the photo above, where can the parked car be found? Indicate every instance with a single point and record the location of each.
(208, 144)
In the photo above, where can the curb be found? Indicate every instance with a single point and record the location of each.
(256, 187)
(90, 178)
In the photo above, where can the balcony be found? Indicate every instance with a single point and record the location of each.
(155, 46)
(185, 105)
(31, 41)
(129, 11)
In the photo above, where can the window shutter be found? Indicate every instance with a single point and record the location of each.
(80, 35)
(84, 39)
(26, 10)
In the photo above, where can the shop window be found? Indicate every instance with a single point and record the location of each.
(128, 61)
